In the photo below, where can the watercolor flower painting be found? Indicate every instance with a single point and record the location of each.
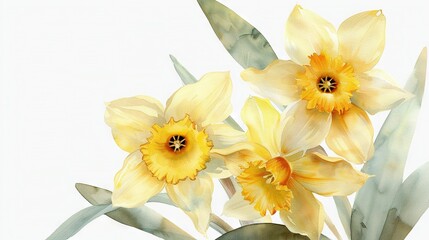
(306, 120)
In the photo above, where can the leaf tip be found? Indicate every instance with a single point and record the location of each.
(172, 58)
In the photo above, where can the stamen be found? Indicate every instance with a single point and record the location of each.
(327, 84)
(177, 143)
(269, 178)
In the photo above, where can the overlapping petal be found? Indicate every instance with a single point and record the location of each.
(239, 155)
(351, 135)
(277, 81)
(134, 183)
(217, 168)
(223, 135)
(194, 197)
(306, 216)
(327, 176)
(378, 92)
(302, 128)
(263, 122)
(361, 39)
(307, 33)
(131, 119)
(240, 208)
(206, 101)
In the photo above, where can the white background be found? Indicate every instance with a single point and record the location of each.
(61, 60)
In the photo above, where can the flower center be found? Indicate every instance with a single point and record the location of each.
(328, 83)
(265, 185)
(177, 143)
(176, 151)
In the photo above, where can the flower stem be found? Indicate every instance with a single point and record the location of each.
(228, 185)
(344, 210)
(332, 227)
(219, 224)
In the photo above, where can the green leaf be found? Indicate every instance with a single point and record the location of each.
(323, 237)
(184, 74)
(142, 218)
(242, 40)
(410, 203)
(269, 231)
(79, 220)
(344, 210)
(231, 122)
(373, 201)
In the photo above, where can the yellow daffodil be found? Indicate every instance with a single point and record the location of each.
(276, 172)
(332, 73)
(171, 148)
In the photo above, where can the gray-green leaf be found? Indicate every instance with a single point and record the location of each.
(373, 201)
(410, 203)
(242, 40)
(344, 210)
(261, 231)
(184, 74)
(142, 218)
(79, 220)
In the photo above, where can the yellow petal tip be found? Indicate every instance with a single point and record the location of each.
(297, 9)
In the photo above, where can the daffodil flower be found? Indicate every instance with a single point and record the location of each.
(171, 148)
(332, 73)
(276, 172)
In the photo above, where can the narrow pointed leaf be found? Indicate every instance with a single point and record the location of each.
(79, 220)
(373, 201)
(184, 74)
(162, 198)
(262, 231)
(323, 237)
(231, 122)
(344, 210)
(242, 40)
(410, 203)
(215, 222)
(142, 218)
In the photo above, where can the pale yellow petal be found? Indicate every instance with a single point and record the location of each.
(303, 128)
(276, 82)
(327, 176)
(361, 39)
(307, 33)
(194, 197)
(217, 168)
(378, 92)
(131, 119)
(206, 101)
(223, 135)
(306, 216)
(134, 183)
(238, 207)
(263, 123)
(239, 155)
(351, 135)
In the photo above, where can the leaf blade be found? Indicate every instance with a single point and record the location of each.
(158, 226)
(344, 210)
(242, 40)
(411, 201)
(79, 220)
(373, 201)
(262, 231)
(184, 74)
